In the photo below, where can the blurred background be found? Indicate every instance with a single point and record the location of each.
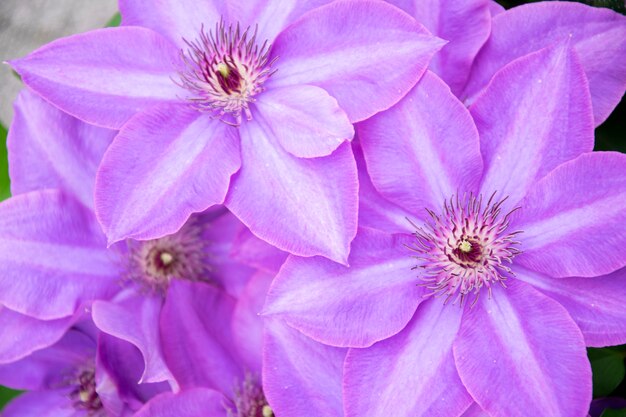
(27, 24)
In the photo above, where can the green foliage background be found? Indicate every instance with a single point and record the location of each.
(607, 363)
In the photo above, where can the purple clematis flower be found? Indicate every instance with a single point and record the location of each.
(264, 92)
(498, 254)
(55, 251)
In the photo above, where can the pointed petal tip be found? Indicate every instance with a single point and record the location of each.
(267, 312)
(270, 309)
(439, 42)
(340, 257)
(112, 240)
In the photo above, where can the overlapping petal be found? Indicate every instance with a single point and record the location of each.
(411, 373)
(65, 150)
(573, 220)
(250, 250)
(474, 410)
(356, 306)
(271, 16)
(597, 34)
(464, 24)
(300, 376)
(54, 256)
(303, 206)
(104, 76)
(495, 8)
(195, 402)
(163, 166)
(119, 365)
(522, 141)
(423, 150)
(135, 319)
(226, 270)
(22, 335)
(247, 325)
(596, 304)
(46, 368)
(196, 337)
(366, 54)
(174, 19)
(307, 122)
(521, 344)
(375, 211)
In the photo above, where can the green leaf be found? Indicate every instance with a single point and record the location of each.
(7, 395)
(614, 413)
(5, 183)
(608, 370)
(115, 21)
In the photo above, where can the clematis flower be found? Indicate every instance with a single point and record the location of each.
(215, 347)
(489, 252)
(483, 37)
(55, 250)
(74, 378)
(264, 92)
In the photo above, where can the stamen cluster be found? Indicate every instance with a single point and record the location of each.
(84, 395)
(225, 69)
(183, 255)
(464, 248)
(250, 400)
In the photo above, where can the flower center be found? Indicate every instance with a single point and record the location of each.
(84, 395)
(250, 400)
(225, 69)
(464, 248)
(183, 255)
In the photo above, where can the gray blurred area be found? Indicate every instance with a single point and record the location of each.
(27, 24)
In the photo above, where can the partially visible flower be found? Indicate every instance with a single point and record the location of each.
(215, 348)
(597, 35)
(483, 37)
(212, 344)
(498, 254)
(70, 379)
(263, 92)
